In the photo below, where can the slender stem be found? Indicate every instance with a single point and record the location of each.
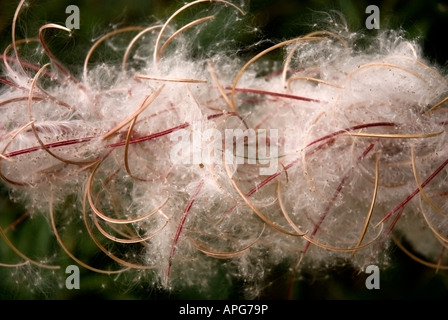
(180, 226)
(402, 204)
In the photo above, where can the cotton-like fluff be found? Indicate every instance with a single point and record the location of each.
(187, 166)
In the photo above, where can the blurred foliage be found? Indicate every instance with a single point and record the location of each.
(275, 20)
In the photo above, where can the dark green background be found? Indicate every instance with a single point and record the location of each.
(277, 20)
(280, 19)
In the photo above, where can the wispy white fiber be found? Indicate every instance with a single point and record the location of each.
(361, 161)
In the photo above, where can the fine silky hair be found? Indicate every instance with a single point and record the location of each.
(175, 163)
